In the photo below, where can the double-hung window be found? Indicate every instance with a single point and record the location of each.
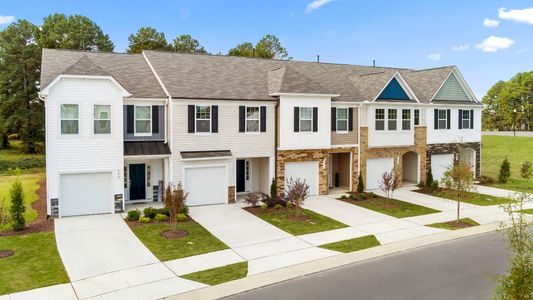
(143, 120)
(252, 118)
(406, 119)
(442, 119)
(306, 119)
(417, 117)
(69, 119)
(380, 119)
(203, 118)
(342, 120)
(102, 119)
(392, 115)
(466, 119)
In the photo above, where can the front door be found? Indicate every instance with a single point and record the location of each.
(240, 176)
(137, 182)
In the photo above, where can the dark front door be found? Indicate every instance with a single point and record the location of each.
(240, 175)
(137, 182)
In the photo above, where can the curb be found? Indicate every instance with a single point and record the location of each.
(287, 273)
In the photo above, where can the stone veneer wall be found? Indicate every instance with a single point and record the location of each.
(395, 152)
(320, 155)
(231, 194)
(451, 148)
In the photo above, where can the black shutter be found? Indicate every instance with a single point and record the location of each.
(296, 119)
(333, 119)
(448, 118)
(130, 118)
(155, 119)
(242, 118)
(436, 119)
(190, 117)
(460, 118)
(471, 119)
(350, 119)
(214, 118)
(263, 119)
(315, 119)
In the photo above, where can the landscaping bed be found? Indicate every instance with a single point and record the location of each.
(466, 197)
(388, 206)
(33, 185)
(454, 225)
(220, 275)
(360, 243)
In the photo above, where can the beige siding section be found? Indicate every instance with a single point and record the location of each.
(349, 138)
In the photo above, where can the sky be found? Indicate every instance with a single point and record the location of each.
(488, 40)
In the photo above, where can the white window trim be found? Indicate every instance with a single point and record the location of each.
(414, 117)
(61, 119)
(110, 121)
(135, 121)
(246, 120)
(384, 120)
(347, 120)
(300, 121)
(411, 119)
(387, 118)
(439, 119)
(210, 120)
(463, 119)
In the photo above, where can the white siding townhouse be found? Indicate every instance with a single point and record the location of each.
(121, 127)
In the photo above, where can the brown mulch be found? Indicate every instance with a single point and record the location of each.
(42, 223)
(173, 235)
(6, 253)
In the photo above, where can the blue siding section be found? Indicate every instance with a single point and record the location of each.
(452, 90)
(394, 91)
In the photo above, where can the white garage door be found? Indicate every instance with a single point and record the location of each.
(439, 164)
(307, 171)
(206, 185)
(375, 167)
(85, 194)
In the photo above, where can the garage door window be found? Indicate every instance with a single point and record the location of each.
(102, 119)
(69, 119)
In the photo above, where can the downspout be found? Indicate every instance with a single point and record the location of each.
(359, 140)
(276, 138)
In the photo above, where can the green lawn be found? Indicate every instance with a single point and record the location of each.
(448, 226)
(30, 184)
(315, 222)
(360, 243)
(199, 240)
(472, 198)
(15, 157)
(220, 275)
(527, 211)
(35, 264)
(393, 207)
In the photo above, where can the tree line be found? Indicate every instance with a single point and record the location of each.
(21, 44)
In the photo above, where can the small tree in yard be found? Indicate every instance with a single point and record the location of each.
(526, 169)
(460, 179)
(17, 206)
(429, 178)
(389, 183)
(273, 188)
(505, 171)
(360, 184)
(297, 191)
(518, 283)
(174, 201)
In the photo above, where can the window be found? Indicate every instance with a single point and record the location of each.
(306, 119)
(102, 119)
(143, 120)
(69, 119)
(148, 176)
(342, 119)
(380, 119)
(442, 119)
(417, 117)
(252, 119)
(466, 119)
(406, 119)
(203, 118)
(392, 116)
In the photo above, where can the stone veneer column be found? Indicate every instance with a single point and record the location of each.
(231, 194)
(320, 155)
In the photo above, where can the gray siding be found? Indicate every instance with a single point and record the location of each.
(157, 136)
(451, 90)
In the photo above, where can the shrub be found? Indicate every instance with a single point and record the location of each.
(271, 202)
(337, 180)
(184, 209)
(343, 197)
(162, 211)
(150, 212)
(273, 188)
(181, 217)
(434, 185)
(360, 184)
(145, 220)
(485, 179)
(133, 215)
(363, 196)
(174, 200)
(353, 197)
(372, 195)
(526, 169)
(161, 217)
(17, 205)
(297, 192)
(278, 206)
(505, 171)
(429, 177)
(289, 205)
(22, 163)
(264, 206)
(253, 199)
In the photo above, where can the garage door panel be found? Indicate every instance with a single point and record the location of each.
(375, 167)
(85, 194)
(206, 185)
(439, 164)
(307, 171)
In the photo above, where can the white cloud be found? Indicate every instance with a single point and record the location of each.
(6, 19)
(519, 15)
(461, 47)
(491, 23)
(316, 4)
(495, 43)
(434, 56)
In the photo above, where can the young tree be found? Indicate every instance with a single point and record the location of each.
(187, 44)
(360, 184)
(517, 283)
(273, 188)
(389, 183)
(526, 169)
(174, 200)
(505, 171)
(147, 38)
(460, 179)
(268, 47)
(17, 208)
(297, 191)
(429, 177)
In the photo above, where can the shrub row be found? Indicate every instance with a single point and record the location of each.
(23, 163)
(158, 214)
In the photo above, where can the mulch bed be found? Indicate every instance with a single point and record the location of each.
(459, 225)
(173, 235)
(382, 204)
(137, 223)
(6, 253)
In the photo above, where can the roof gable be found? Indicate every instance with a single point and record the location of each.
(393, 91)
(451, 90)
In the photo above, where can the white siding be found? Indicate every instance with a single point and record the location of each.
(389, 138)
(85, 152)
(454, 134)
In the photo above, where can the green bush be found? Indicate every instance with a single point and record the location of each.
(161, 217)
(505, 171)
(486, 179)
(343, 197)
(17, 206)
(372, 195)
(429, 177)
(435, 185)
(184, 210)
(162, 211)
(353, 197)
(360, 184)
(264, 206)
(181, 217)
(145, 220)
(363, 195)
(289, 204)
(150, 212)
(273, 188)
(526, 170)
(23, 163)
(278, 206)
(133, 215)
